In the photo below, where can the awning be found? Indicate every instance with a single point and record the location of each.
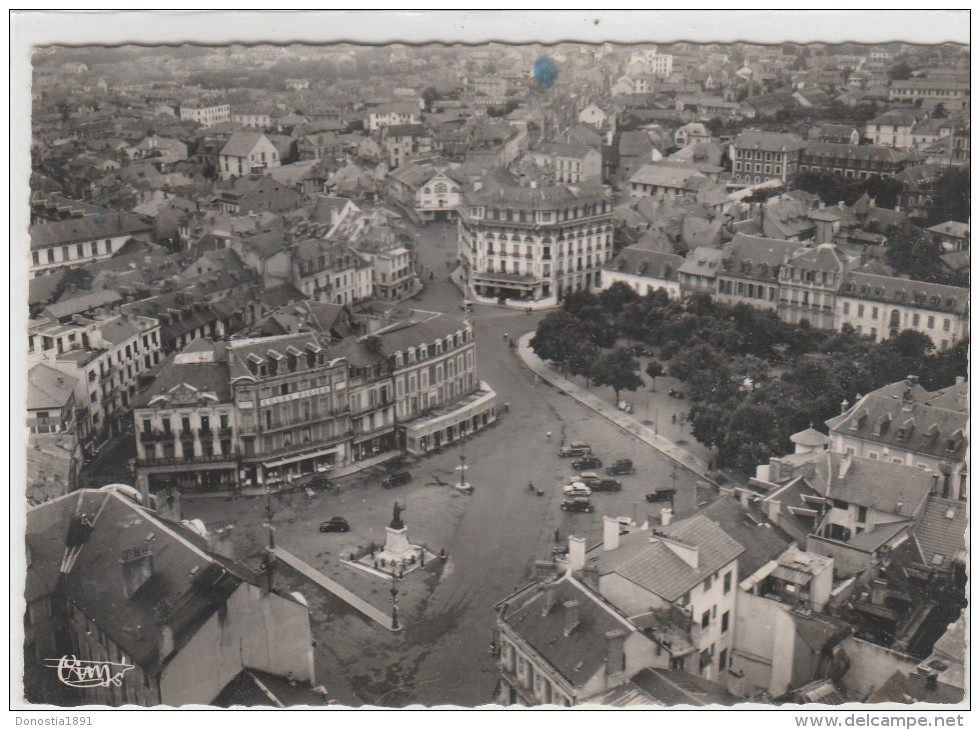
(298, 457)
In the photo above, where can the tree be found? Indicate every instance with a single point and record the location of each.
(616, 297)
(617, 369)
(429, 95)
(556, 338)
(899, 72)
(939, 111)
(915, 253)
(654, 369)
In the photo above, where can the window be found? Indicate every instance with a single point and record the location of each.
(50, 255)
(724, 622)
(705, 619)
(860, 310)
(707, 584)
(847, 308)
(945, 325)
(931, 322)
(723, 658)
(728, 582)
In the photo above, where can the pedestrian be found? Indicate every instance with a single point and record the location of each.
(549, 435)
(431, 276)
(673, 418)
(557, 535)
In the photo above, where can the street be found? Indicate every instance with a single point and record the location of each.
(493, 536)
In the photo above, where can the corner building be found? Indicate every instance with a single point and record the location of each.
(524, 241)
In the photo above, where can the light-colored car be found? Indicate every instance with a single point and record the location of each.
(577, 489)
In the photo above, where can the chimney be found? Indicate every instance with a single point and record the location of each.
(610, 533)
(960, 380)
(137, 568)
(772, 509)
(549, 598)
(743, 497)
(665, 516)
(840, 205)
(615, 651)
(845, 464)
(166, 640)
(576, 553)
(844, 405)
(571, 616)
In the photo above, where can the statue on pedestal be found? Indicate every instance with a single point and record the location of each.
(396, 519)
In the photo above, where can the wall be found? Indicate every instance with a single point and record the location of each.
(871, 666)
(847, 560)
(264, 632)
(764, 643)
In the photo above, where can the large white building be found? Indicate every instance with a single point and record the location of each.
(530, 242)
(207, 114)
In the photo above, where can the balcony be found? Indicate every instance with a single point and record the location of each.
(186, 434)
(149, 437)
(165, 436)
(206, 433)
(229, 458)
(225, 432)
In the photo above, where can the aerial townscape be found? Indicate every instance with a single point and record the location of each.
(573, 375)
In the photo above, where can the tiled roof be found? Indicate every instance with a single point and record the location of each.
(702, 261)
(424, 332)
(207, 377)
(906, 292)
(820, 258)
(886, 487)
(658, 569)
(559, 149)
(666, 176)
(643, 262)
(101, 225)
(502, 189)
(94, 583)
(241, 144)
(676, 687)
(756, 257)
(579, 655)
(48, 388)
(239, 351)
(941, 530)
(83, 302)
(762, 541)
(855, 154)
(752, 139)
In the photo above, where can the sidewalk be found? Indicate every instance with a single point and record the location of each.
(611, 413)
(335, 588)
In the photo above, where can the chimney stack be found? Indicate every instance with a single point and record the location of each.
(549, 598)
(960, 380)
(610, 533)
(844, 405)
(576, 553)
(845, 464)
(772, 509)
(615, 651)
(666, 514)
(571, 616)
(166, 640)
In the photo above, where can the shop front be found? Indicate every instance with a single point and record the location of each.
(447, 425)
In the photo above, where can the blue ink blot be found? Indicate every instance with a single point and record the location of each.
(545, 71)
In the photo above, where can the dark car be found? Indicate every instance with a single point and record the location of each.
(396, 479)
(620, 466)
(335, 524)
(575, 449)
(587, 462)
(596, 483)
(675, 394)
(576, 504)
(661, 495)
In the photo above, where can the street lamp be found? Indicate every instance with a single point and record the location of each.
(394, 602)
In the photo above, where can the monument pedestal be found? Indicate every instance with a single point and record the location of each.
(396, 543)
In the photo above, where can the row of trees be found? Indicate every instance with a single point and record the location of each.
(752, 380)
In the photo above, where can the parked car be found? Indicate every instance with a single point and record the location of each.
(577, 489)
(587, 462)
(396, 479)
(661, 495)
(576, 504)
(620, 466)
(597, 483)
(335, 524)
(675, 394)
(576, 448)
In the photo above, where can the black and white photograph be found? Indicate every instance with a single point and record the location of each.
(496, 359)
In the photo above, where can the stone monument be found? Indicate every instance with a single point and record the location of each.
(397, 546)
